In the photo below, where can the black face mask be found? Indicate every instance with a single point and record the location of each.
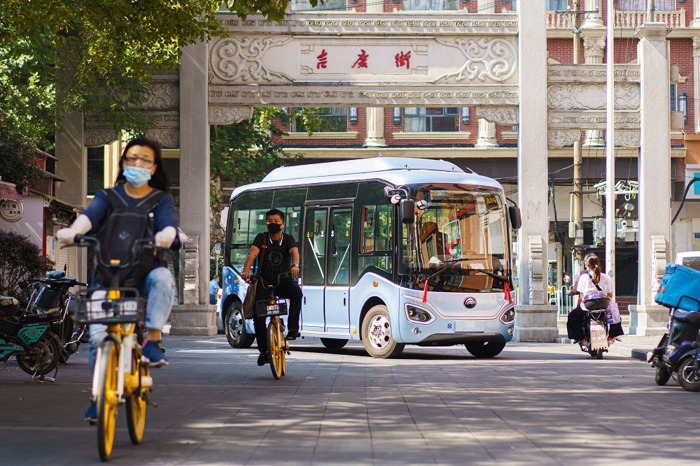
(274, 227)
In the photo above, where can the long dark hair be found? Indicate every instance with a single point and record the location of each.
(593, 264)
(159, 179)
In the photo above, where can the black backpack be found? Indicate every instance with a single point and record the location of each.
(118, 235)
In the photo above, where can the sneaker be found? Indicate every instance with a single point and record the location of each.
(263, 359)
(152, 355)
(293, 335)
(91, 414)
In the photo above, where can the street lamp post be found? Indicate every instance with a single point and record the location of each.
(610, 230)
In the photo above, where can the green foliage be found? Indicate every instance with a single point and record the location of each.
(16, 158)
(244, 153)
(98, 55)
(19, 259)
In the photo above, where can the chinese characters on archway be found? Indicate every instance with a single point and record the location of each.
(402, 59)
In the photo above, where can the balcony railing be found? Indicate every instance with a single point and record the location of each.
(634, 19)
(625, 19)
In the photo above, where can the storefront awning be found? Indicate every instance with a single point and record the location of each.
(8, 192)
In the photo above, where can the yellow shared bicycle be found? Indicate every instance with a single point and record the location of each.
(267, 304)
(120, 377)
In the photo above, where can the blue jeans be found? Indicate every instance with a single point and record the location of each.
(160, 290)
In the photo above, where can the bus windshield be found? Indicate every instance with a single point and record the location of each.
(458, 239)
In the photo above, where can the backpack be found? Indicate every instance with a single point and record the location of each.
(119, 234)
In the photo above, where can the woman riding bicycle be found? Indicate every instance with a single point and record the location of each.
(141, 176)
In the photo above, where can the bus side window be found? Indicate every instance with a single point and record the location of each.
(376, 237)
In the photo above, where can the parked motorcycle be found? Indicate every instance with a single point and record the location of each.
(596, 323)
(677, 350)
(50, 302)
(36, 348)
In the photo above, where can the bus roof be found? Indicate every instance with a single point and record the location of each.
(393, 170)
(358, 166)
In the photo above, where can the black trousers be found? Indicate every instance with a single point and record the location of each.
(288, 289)
(576, 330)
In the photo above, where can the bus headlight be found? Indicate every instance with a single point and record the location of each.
(418, 315)
(508, 316)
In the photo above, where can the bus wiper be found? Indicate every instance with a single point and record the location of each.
(503, 278)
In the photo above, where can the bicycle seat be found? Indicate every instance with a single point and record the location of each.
(688, 317)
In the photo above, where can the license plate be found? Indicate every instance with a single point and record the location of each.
(599, 340)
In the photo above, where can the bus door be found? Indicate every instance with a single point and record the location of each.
(326, 269)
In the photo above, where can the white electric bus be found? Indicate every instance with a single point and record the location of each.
(394, 251)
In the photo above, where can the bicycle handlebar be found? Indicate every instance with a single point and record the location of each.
(81, 240)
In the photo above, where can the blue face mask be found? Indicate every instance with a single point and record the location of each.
(136, 175)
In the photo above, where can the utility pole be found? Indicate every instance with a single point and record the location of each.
(578, 163)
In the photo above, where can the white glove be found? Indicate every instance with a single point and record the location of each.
(165, 237)
(66, 235)
(81, 226)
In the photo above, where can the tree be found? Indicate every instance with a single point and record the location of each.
(98, 55)
(19, 259)
(244, 153)
(16, 158)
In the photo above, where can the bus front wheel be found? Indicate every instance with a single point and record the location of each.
(485, 349)
(234, 326)
(377, 334)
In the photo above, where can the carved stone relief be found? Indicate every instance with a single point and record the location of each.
(222, 115)
(536, 282)
(594, 48)
(487, 60)
(163, 96)
(627, 138)
(658, 262)
(167, 137)
(591, 96)
(240, 59)
(562, 138)
(96, 137)
(696, 46)
(498, 115)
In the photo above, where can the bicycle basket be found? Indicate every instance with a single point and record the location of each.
(98, 308)
(271, 307)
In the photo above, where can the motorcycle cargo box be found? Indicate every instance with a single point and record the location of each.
(9, 307)
(680, 288)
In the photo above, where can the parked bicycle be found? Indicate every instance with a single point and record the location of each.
(120, 376)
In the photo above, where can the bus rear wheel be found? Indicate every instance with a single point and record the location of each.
(234, 326)
(485, 349)
(377, 334)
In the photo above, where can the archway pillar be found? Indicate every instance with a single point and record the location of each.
(654, 178)
(535, 319)
(195, 316)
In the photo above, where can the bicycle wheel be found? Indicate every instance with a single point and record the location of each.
(136, 403)
(274, 349)
(107, 402)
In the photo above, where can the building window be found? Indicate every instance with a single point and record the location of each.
(332, 120)
(674, 97)
(554, 5)
(95, 169)
(513, 5)
(434, 5)
(641, 5)
(420, 120)
(305, 5)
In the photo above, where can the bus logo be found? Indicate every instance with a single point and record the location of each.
(470, 303)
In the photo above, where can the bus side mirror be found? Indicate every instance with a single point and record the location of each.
(407, 209)
(516, 220)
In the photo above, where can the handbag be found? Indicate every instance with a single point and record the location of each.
(249, 300)
(612, 313)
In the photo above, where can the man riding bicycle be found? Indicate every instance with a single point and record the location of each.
(279, 255)
(141, 177)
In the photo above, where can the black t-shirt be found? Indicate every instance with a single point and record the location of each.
(276, 258)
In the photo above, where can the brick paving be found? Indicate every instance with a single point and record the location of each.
(535, 404)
